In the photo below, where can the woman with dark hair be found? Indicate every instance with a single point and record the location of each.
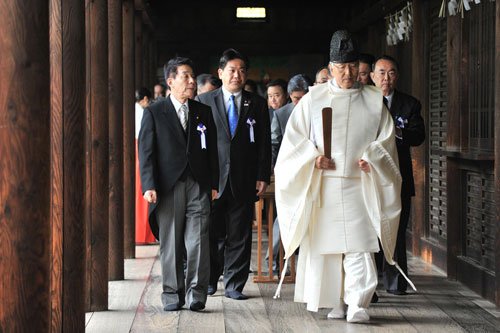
(143, 234)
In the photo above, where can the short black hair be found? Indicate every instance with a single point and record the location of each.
(278, 82)
(141, 93)
(202, 79)
(252, 84)
(388, 58)
(170, 68)
(231, 54)
(367, 59)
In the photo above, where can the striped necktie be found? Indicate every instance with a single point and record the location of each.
(183, 116)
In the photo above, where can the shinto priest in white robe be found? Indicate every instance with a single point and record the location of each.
(343, 210)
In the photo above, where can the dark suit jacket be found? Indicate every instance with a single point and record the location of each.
(165, 150)
(408, 108)
(278, 126)
(241, 161)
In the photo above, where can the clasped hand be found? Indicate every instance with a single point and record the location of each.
(323, 162)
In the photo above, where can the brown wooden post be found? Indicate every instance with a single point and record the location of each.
(497, 153)
(154, 60)
(454, 59)
(128, 128)
(24, 167)
(67, 73)
(115, 56)
(419, 91)
(139, 81)
(97, 195)
(146, 57)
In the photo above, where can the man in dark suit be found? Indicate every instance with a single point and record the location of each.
(180, 174)
(243, 139)
(410, 132)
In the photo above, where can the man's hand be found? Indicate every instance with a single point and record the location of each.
(214, 194)
(150, 196)
(364, 166)
(322, 162)
(260, 187)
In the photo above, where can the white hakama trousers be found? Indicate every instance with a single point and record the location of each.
(360, 279)
(332, 280)
(319, 279)
(335, 264)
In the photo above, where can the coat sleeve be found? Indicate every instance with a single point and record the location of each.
(276, 138)
(147, 151)
(381, 187)
(297, 181)
(213, 151)
(414, 133)
(264, 144)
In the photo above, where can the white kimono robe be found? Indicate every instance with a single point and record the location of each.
(343, 210)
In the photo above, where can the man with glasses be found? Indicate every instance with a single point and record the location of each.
(410, 132)
(335, 207)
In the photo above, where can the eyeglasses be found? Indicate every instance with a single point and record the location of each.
(351, 65)
(391, 74)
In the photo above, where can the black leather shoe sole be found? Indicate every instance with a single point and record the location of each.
(211, 290)
(374, 298)
(196, 306)
(172, 307)
(236, 295)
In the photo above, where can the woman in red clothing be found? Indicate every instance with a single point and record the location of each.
(143, 234)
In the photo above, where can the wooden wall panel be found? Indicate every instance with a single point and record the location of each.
(497, 153)
(139, 77)
(419, 91)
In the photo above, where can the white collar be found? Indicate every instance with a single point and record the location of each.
(177, 104)
(228, 94)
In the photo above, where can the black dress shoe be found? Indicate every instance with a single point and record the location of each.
(374, 298)
(196, 306)
(235, 294)
(211, 289)
(397, 292)
(172, 307)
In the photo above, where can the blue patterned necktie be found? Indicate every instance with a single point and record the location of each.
(232, 115)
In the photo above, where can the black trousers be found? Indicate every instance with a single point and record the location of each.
(393, 280)
(230, 240)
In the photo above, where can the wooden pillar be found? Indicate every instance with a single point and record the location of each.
(454, 61)
(152, 59)
(145, 58)
(139, 82)
(24, 167)
(129, 128)
(67, 73)
(497, 152)
(419, 91)
(454, 141)
(115, 56)
(97, 181)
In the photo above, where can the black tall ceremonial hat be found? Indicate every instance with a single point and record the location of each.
(343, 48)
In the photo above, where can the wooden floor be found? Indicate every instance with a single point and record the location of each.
(438, 306)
